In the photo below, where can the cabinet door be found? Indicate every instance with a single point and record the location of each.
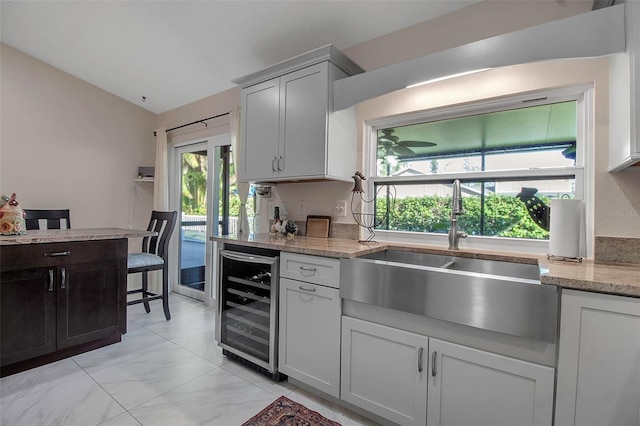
(309, 343)
(304, 100)
(28, 314)
(89, 301)
(384, 371)
(259, 135)
(472, 387)
(598, 360)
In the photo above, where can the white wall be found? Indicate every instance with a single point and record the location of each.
(68, 144)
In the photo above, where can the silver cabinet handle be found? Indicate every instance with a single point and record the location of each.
(420, 351)
(433, 364)
(312, 290)
(273, 164)
(57, 254)
(63, 271)
(50, 279)
(280, 159)
(307, 269)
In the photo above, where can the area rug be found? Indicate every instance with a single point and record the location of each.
(285, 412)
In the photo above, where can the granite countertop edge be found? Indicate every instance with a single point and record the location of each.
(69, 235)
(617, 279)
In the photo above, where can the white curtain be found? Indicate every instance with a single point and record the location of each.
(243, 188)
(161, 186)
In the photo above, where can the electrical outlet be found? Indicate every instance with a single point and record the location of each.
(270, 208)
(340, 209)
(301, 207)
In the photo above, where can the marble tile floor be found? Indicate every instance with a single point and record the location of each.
(162, 373)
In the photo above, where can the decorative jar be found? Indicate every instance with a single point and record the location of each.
(12, 218)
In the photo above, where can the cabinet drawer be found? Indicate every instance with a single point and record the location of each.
(313, 269)
(54, 254)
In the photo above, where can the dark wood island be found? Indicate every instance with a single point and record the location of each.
(62, 292)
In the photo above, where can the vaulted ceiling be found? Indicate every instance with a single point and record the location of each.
(176, 52)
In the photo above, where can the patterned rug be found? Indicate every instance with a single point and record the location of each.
(285, 412)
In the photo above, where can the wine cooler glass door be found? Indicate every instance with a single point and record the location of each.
(247, 306)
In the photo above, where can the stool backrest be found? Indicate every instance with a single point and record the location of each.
(162, 223)
(54, 218)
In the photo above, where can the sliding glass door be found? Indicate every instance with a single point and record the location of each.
(200, 193)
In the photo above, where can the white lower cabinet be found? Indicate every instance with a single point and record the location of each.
(599, 360)
(384, 371)
(472, 387)
(411, 379)
(309, 343)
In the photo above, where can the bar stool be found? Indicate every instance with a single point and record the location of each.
(153, 257)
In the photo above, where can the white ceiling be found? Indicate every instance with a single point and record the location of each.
(176, 52)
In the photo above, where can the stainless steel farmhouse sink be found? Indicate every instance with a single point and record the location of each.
(504, 297)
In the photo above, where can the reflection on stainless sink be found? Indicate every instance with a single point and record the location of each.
(505, 297)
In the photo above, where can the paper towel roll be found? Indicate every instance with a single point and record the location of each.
(565, 227)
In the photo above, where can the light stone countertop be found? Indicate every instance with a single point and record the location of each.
(328, 247)
(67, 235)
(619, 279)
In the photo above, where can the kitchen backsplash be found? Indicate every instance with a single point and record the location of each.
(617, 250)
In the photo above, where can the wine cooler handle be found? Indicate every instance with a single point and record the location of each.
(249, 258)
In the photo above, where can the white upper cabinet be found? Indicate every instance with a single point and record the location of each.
(624, 102)
(259, 128)
(289, 130)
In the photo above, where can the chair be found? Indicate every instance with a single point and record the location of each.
(54, 218)
(154, 256)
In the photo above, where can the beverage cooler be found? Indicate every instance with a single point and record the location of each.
(247, 322)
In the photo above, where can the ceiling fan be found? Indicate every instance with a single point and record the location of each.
(390, 144)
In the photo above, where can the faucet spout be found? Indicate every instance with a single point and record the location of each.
(456, 210)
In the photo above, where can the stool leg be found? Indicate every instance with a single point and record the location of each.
(145, 289)
(165, 292)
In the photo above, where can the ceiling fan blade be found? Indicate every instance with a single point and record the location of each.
(416, 144)
(403, 151)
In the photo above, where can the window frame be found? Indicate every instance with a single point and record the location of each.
(582, 94)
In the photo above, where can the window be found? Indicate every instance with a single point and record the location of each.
(509, 156)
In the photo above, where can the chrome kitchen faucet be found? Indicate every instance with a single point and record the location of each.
(456, 210)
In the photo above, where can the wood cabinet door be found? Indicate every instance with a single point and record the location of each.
(384, 371)
(304, 101)
(598, 360)
(89, 301)
(260, 109)
(472, 387)
(28, 314)
(309, 328)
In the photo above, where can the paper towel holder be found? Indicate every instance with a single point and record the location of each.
(565, 259)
